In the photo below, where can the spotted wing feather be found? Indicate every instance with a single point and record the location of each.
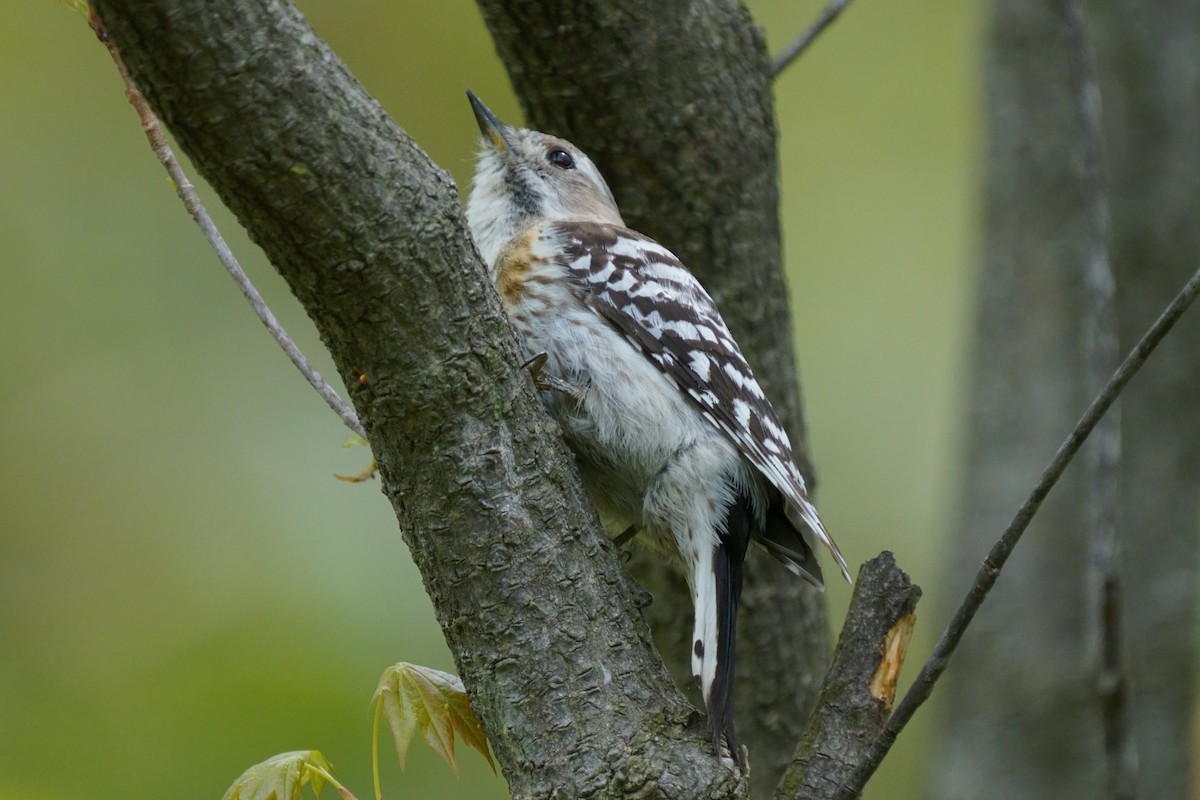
(642, 290)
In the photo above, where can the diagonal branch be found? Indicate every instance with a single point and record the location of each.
(797, 46)
(939, 659)
(212, 234)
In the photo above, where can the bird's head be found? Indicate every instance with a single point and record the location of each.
(524, 177)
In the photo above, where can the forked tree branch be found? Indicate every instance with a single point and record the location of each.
(370, 236)
(939, 659)
(521, 529)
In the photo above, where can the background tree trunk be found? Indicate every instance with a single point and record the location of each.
(1019, 713)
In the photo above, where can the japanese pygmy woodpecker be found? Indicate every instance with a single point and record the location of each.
(673, 435)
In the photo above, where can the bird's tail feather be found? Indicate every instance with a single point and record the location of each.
(717, 586)
(728, 574)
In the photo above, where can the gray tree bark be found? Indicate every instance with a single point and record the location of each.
(860, 688)
(370, 237)
(1020, 715)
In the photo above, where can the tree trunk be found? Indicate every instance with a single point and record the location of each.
(1020, 714)
(370, 237)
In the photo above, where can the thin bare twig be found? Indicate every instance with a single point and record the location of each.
(801, 43)
(1101, 350)
(191, 201)
(936, 664)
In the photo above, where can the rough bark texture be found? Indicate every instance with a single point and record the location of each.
(1020, 717)
(673, 101)
(370, 237)
(860, 688)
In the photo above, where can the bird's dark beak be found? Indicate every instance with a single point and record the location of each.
(492, 128)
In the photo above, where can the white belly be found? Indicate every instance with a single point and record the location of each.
(629, 419)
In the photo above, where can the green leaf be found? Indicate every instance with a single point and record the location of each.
(282, 777)
(415, 698)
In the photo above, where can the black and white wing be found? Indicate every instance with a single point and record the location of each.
(642, 290)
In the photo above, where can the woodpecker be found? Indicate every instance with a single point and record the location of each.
(674, 437)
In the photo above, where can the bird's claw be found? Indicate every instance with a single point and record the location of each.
(545, 382)
(625, 536)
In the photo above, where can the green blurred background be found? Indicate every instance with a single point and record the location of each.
(185, 589)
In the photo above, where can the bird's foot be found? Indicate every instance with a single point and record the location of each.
(545, 382)
(625, 536)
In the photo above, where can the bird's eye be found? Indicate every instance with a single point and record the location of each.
(561, 159)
